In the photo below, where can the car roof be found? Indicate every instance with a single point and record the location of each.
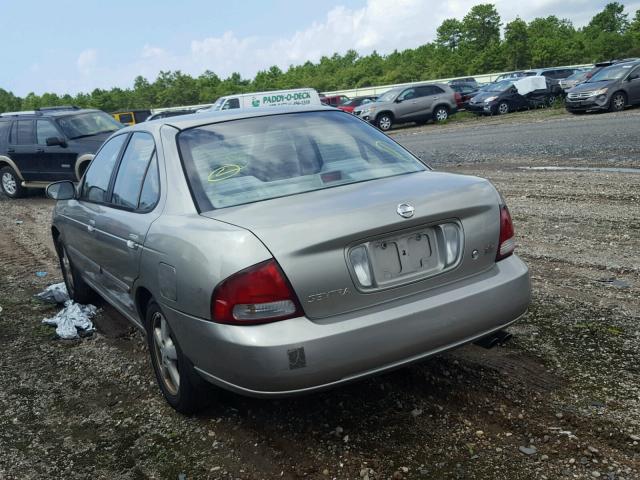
(184, 122)
(48, 113)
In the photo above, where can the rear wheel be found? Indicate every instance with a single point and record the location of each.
(10, 183)
(618, 102)
(384, 121)
(176, 377)
(441, 114)
(77, 288)
(503, 107)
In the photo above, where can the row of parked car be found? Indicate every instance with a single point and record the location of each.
(58, 143)
(610, 85)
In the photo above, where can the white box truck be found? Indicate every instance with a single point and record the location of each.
(299, 96)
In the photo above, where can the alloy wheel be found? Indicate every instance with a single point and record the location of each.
(165, 353)
(384, 123)
(9, 183)
(442, 114)
(503, 108)
(67, 272)
(618, 102)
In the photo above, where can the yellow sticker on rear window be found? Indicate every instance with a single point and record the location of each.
(224, 172)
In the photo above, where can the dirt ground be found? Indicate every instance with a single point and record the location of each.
(561, 400)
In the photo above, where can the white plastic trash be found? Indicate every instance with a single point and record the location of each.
(56, 293)
(71, 318)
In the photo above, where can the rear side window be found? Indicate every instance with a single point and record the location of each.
(133, 167)
(151, 187)
(44, 130)
(98, 176)
(255, 159)
(4, 131)
(22, 133)
(431, 90)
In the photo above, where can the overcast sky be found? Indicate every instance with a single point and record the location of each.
(66, 46)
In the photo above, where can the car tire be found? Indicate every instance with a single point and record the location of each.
(618, 102)
(440, 114)
(384, 121)
(503, 108)
(11, 184)
(181, 386)
(79, 291)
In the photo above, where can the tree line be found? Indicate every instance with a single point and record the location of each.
(476, 44)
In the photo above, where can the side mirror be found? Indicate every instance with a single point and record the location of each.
(633, 76)
(53, 141)
(63, 190)
(399, 100)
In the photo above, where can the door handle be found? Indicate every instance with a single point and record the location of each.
(91, 228)
(132, 245)
(11, 150)
(39, 150)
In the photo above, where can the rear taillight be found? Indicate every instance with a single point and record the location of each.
(458, 98)
(507, 243)
(258, 294)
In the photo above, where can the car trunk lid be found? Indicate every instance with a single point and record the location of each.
(312, 235)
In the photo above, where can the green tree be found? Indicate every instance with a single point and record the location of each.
(450, 34)
(481, 27)
(516, 45)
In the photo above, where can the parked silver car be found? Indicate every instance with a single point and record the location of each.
(281, 251)
(416, 103)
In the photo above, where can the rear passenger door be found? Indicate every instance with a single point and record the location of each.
(54, 162)
(23, 150)
(123, 225)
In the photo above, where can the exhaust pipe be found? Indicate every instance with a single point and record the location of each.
(496, 338)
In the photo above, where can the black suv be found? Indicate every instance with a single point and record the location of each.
(49, 144)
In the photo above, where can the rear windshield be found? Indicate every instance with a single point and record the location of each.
(254, 159)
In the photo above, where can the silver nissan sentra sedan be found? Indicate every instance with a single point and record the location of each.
(281, 251)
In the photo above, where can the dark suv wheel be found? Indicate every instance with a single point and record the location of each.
(10, 183)
(618, 102)
(384, 121)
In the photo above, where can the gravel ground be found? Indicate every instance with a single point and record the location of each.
(561, 400)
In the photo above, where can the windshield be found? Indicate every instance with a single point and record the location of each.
(218, 104)
(577, 76)
(500, 86)
(255, 159)
(88, 124)
(389, 95)
(611, 73)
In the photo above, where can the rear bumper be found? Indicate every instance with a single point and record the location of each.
(300, 355)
